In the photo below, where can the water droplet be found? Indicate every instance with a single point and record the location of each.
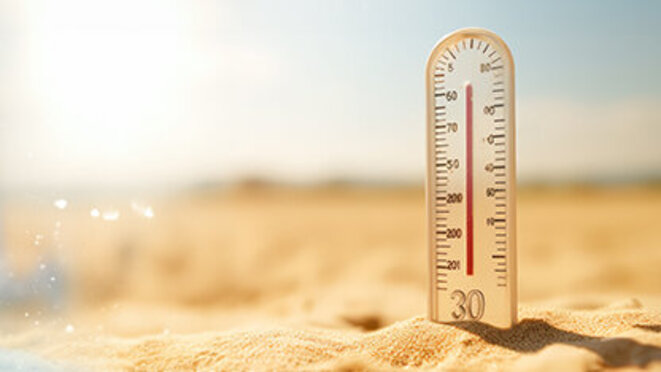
(60, 203)
(95, 213)
(52, 278)
(111, 215)
(166, 331)
(42, 266)
(143, 210)
(36, 323)
(27, 315)
(69, 328)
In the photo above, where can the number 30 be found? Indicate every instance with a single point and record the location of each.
(471, 305)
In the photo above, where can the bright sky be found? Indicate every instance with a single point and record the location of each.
(129, 92)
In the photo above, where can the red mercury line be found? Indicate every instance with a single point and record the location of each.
(469, 179)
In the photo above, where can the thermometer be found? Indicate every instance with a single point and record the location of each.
(471, 179)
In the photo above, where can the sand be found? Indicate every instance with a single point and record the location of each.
(545, 339)
(336, 280)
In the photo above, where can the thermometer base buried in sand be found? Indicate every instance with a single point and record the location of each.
(471, 179)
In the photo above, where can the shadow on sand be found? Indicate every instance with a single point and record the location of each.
(649, 327)
(531, 335)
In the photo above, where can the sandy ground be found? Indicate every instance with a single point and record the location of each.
(309, 279)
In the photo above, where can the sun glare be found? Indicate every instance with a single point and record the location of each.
(109, 78)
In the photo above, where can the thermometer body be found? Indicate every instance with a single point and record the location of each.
(471, 174)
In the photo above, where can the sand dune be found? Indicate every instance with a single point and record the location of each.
(544, 339)
(330, 280)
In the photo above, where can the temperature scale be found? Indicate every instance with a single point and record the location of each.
(471, 179)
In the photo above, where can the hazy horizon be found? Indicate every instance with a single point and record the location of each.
(160, 93)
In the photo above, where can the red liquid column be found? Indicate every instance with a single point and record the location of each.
(469, 179)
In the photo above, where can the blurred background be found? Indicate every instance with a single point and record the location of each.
(180, 166)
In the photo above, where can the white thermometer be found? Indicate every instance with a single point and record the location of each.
(471, 179)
